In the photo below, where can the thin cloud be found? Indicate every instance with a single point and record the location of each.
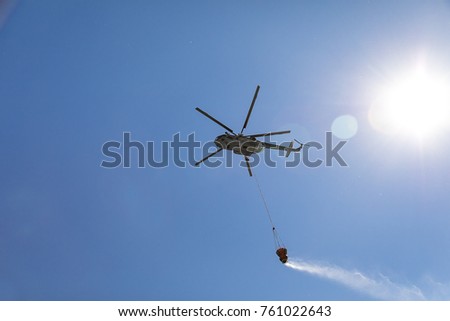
(436, 290)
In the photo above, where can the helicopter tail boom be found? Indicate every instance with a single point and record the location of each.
(289, 149)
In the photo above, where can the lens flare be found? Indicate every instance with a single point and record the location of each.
(344, 127)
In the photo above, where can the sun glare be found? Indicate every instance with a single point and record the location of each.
(418, 104)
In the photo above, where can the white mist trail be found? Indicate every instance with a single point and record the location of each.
(379, 288)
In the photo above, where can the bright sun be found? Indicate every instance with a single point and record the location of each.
(418, 104)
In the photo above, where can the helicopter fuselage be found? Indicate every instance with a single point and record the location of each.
(239, 144)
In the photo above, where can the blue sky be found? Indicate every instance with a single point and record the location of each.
(75, 74)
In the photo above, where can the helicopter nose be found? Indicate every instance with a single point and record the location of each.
(218, 141)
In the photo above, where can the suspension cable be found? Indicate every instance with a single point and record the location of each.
(264, 201)
(276, 237)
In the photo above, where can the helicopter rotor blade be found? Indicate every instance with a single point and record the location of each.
(271, 133)
(214, 120)
(248, 165)
(210, 155)
(251, 108)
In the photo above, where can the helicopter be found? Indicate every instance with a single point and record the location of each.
(245, 145)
